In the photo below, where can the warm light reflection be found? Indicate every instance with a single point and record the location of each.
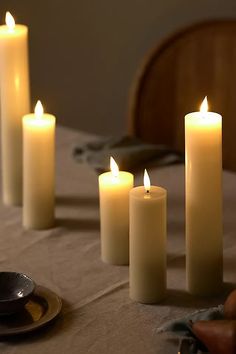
(17, 82)
(114, 167)
(10, 22)
(146, 181)
(38, 109)
(204, 106)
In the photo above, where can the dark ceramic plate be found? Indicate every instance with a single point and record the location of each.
(42, 308)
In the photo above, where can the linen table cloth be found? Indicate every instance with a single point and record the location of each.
(97, 315)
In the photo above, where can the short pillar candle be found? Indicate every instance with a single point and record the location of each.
(148, 243)
(204, 231)
(114, 190)
(39, 166)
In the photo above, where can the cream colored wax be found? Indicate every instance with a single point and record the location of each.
(15, 102)
(204, 250)
(39, 174)
(148, 243)
(114, 190)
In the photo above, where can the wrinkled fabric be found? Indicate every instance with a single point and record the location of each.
(183, 327)
(98, 316)
(129, 152)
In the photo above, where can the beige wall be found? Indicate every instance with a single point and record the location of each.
(84, 53)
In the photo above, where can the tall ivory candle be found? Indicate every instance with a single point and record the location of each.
(204, 250)
(39, 174)
(15, 102)
(114, 190)
(147, 243)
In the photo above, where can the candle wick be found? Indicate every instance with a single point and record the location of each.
(147, 191)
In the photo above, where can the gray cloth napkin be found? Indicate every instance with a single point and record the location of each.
(129, 152)
(189, 344)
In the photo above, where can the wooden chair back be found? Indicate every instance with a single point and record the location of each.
(175, 77)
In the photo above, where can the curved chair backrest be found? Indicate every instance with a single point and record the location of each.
(175, 77)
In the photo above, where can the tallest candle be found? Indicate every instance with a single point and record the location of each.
(204, 251)
(15, 102)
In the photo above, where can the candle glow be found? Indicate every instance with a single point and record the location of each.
(204, 106)
(146, 181)
(10, 22)
(38, 109)
(114, 167)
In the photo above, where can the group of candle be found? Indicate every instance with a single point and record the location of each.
(133, 220)
(27, 139)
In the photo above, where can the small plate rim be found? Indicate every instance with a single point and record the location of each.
(54, 306)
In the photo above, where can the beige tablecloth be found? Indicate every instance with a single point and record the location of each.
(98, 316)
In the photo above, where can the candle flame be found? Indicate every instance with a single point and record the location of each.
(114, 167)
(204, 106)
(38, 109)
(146, 181)
(10, 22)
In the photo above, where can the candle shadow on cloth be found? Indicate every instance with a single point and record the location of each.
(176, 261)
(78, 224)
(230, 264)
(176, 228)
(76, 200)
(181, 298)
(60, 325)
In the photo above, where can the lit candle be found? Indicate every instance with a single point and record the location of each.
(15, 102)
(204, 250)
(114, 190)
(147, 243)
(39, 174)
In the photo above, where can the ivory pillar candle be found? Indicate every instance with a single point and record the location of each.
(114, 190)
(15, 102)
(39, 174)
(204, 250)
(147, 243)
